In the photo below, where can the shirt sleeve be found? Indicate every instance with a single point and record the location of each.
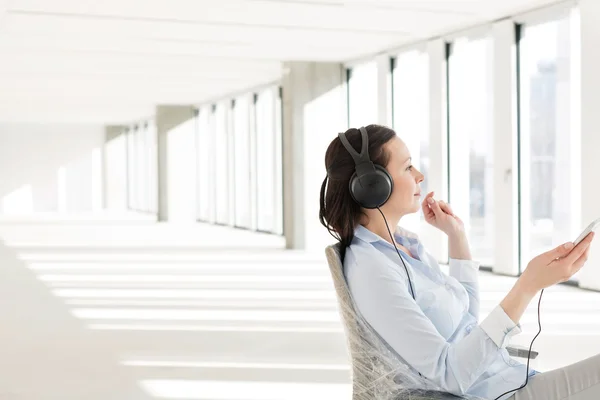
(499, 327)
(467, 273)
(382, 297)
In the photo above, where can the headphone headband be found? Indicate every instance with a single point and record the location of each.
(364, 152)
(362, 161)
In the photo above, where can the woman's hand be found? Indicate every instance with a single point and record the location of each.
(555, 266)
(440, 215)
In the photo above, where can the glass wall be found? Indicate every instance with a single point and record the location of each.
(116, 189)
(269, 145)
(410, 80)
(549, 136)
(205, 193)
(241, 131)
(239, 162)
(152, 170)
(362, 95)
(471, 156)
(131, 163)
(221, 163)
(142, 167)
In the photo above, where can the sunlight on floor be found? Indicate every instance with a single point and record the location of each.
(214, 390)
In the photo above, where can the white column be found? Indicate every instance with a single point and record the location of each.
(438, 142)
(177, 122)
(314, 111)
(384, 90)
(506, 241)
(114, 169)
(589, 277)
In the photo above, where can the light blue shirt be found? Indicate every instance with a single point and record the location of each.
(438, 335)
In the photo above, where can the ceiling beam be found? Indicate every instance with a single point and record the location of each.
(10, 44)
(293, 16)
(21, 23)
(136, 62)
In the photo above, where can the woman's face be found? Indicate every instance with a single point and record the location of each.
(406, 196)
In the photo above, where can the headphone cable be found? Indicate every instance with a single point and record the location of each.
(398, 251)
(530, 346)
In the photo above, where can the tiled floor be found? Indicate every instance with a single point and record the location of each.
(142, 311)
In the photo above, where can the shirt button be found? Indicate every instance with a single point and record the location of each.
(469, 329)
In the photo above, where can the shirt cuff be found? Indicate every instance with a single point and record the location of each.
(499, 327)
(464, 270)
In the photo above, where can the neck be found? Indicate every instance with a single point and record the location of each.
(376, 224)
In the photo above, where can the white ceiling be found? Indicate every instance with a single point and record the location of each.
(112, 61)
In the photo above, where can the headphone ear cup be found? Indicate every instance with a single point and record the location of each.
(373, 189)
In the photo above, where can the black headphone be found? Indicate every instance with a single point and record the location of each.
(370, 185)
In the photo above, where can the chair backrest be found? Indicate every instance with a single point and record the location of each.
(362, 361)
(376, 372)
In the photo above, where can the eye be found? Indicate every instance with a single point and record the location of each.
(410, 167)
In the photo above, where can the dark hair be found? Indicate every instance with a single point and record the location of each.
(338, 212)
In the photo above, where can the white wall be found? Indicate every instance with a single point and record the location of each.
(49, 168)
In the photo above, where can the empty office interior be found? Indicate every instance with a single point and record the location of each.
(161, 163)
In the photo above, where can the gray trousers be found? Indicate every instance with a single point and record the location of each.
(579, 381)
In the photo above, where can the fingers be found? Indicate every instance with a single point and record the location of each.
(430, 194)
(427, 211)
(435, 207)
(558, 252)
(580, 249)
(580, 262)
(446, 207)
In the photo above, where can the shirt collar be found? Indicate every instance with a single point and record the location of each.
(366, 235)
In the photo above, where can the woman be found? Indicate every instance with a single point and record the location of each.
(430, 321)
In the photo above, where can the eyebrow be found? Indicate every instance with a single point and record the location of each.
(408, 159)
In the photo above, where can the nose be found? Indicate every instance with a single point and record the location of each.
(420, 178)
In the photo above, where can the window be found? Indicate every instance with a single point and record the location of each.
(241, 124)
(549, 136)
(131, 165)
(231, 162)
(221, 183)
(116, 172)
(362, 95)
(142, 168)
(204, 150)
(266, 157)
(239, 162)
(152, 167)
(278, 229)
(471, 142)
(140, 160)
(410, 80)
